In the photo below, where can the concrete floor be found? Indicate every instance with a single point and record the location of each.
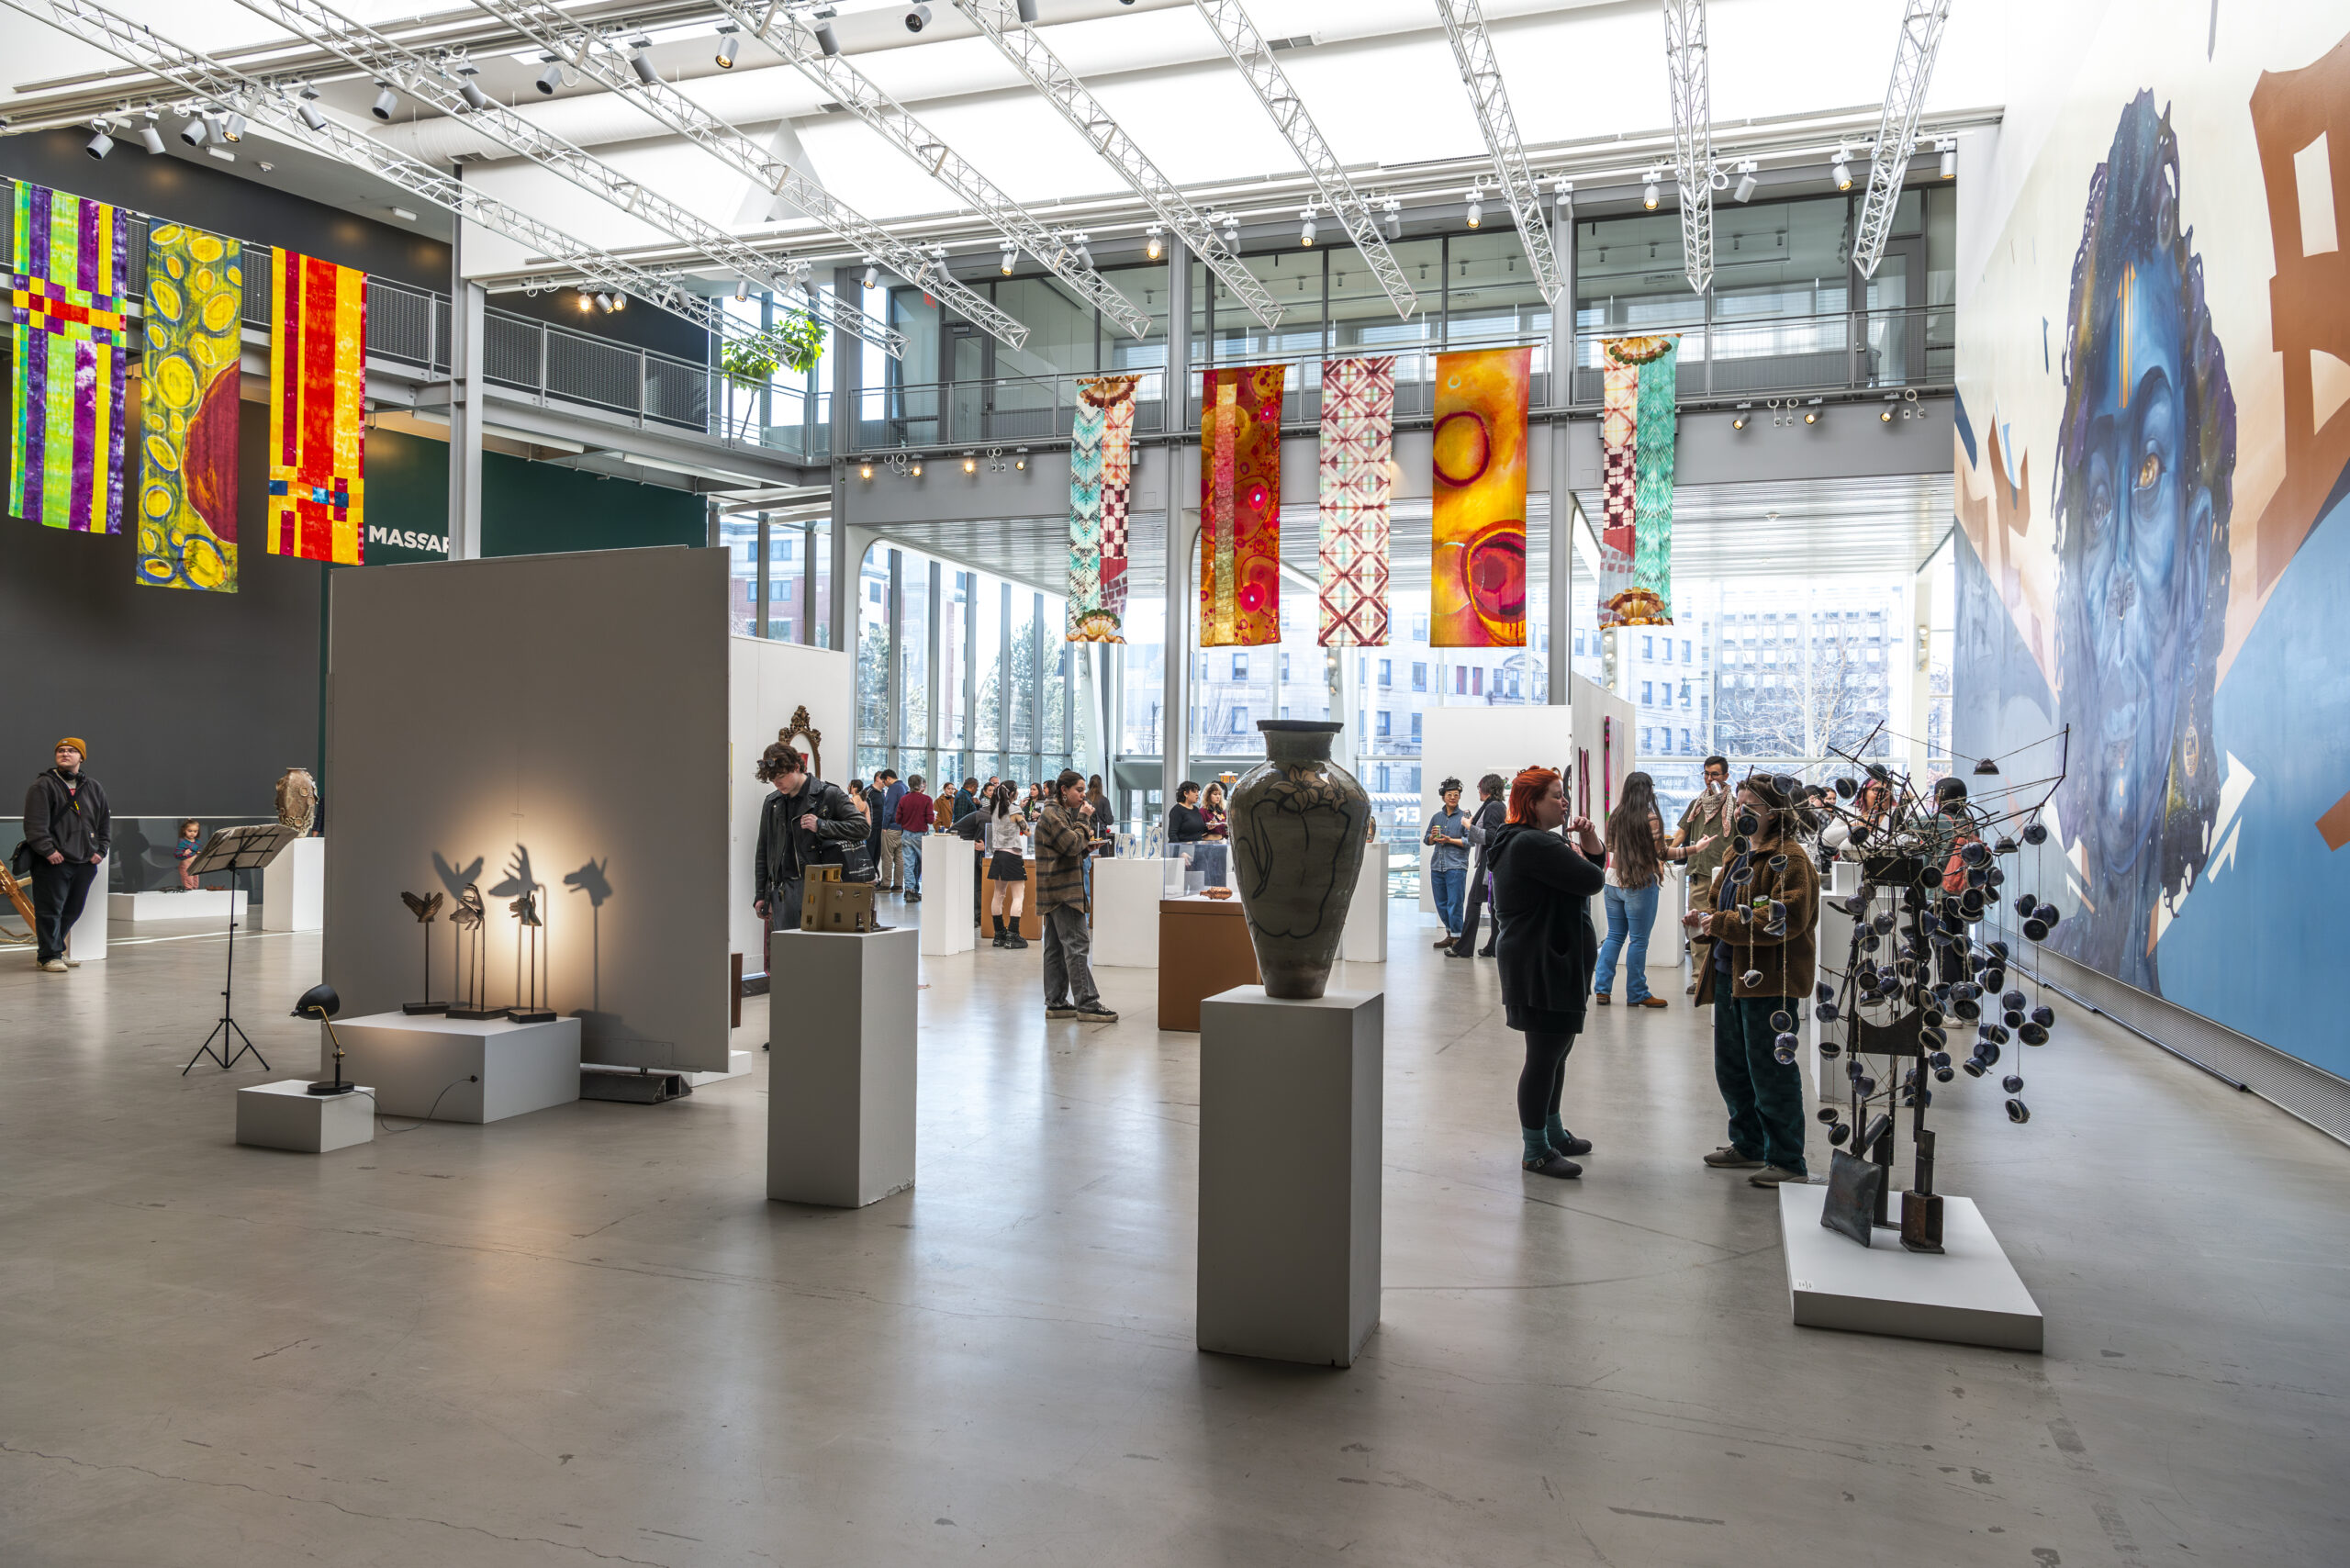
(584, 1335)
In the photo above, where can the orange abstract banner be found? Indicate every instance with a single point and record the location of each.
(1240, 507)
(317, 381)
(1477, 593)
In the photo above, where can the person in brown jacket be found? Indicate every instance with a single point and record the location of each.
(1762, 948)
(1064, 838)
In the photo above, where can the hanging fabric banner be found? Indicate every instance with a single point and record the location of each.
(1240, 507)
(1101, 467)
(68, 343)
(1477, 590)
(317, 459)
(1358, 484)
(188, 489)
(1640, 421)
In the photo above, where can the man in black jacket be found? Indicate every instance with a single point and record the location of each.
(1490, 813)
(803, 824)
(67, 831)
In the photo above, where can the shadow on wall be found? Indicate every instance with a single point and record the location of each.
(528, 905)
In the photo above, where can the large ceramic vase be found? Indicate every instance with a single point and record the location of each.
(1298, 837)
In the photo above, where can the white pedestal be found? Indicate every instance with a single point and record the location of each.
(947, 867)
(287, 1115)
(1290, 1099)
(1365, 941)
(841, 1072)
(294, 887)
(87, 943)
(1125, 913)
(1668, 941)
(207, 903)
(420, 1066)
(1968, 1294)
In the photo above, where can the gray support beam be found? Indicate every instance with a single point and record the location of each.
(1004, 693)
(1036, 688)
(759, 587)
(893, 720)
(849, 545)
(806, 616)
(1563, 501)
(465, 304)
(970, 748)
(1175, 662)
(930, 672)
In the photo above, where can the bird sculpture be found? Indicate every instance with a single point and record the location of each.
(468, 910)
(424, 908)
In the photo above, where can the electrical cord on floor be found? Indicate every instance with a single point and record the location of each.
(391, 1131)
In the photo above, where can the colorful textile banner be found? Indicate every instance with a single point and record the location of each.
(1101, 467)
(317, 461)
(1639, 422)
(68, 343)
(1477, 591)
(1358, 484)
(188, 489)
(1240, 507)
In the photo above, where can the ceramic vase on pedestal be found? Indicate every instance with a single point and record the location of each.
(1298, 837)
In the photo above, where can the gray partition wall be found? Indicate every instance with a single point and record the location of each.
(558, 722)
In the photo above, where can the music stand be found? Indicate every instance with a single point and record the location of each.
(236, 849)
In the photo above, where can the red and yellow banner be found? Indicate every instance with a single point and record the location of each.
(317, 406)
(1477, 592)
(1240, 507)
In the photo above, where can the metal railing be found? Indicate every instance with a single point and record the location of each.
(1834, 350)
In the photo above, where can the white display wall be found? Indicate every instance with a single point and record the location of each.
(768, 681)
(1469, 743)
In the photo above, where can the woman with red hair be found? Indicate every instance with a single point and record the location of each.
(1542, 889)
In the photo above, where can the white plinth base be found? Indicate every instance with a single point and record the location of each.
(1966, 1295)
(87, 943)
(841, 1069)
(947, 867)
(1290, 1098)
(1365, 941)
(1668, 941)
(737, 1064)
(287, 1115)
(294, 887)
(419, 1066)
(1125, 913)
(209, 903)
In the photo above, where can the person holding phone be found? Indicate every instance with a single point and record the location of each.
(1543, 889)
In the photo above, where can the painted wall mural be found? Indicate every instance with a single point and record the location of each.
(2153, 450)
(1477, 586)
(187, 486)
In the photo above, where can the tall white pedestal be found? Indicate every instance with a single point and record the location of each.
(947, 867)
(205, 903)
(421, 1066)
(1125, 913)
(287, 1115)
(294, 887)
(1365, 941)
(841, 1069)
(1668, 942)
(1290, 1098)
(87, 943)
(1968, 1294)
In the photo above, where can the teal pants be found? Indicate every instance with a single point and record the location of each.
(1764, 1096)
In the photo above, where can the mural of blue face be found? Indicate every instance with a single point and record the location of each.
(2144, 467)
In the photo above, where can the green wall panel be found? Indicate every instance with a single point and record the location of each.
(527, 509)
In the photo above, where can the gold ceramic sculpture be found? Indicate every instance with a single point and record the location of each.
(297, 800)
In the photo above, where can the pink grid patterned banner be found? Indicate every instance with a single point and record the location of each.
(1358, 483)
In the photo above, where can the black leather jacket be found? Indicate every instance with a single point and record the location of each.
(786, 849)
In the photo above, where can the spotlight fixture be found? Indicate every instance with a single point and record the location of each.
(233, 127)
(872, 274)
(1811, 416)
(387, 102)
(100, 144)
(1564, 197)
(914, 468)
(1154, 247)
(403, 214)
(1885, 417)
(640, 60)
(970, 465)
(552, 77)
(742, 289)
(1649, 194)
(864, 470)
(476, 99)
(620, 300)
(306, 106)
(1231, 232)
(1839, 170)
(1948, 168)
(729, 40)
(1305, 230)
(1737, 422)
(150, 137)
(825, 40)
(605, 300)
(1021, 462)
(586, 302)
(917, 18)
(1011, 257)
(192, 132)
(1746, 183)
(1476, 210)
(1395, 219)
(215, 127)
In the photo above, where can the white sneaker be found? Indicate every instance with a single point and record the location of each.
(73, 963)
(55, 965)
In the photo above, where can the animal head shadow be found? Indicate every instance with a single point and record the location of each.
(590, 880)
(520, 879)
(454, 877)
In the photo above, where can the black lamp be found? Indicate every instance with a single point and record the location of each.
(321, 1003)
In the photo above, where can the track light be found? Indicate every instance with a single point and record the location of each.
(825, 40)
(1949, 167)
(1020, 464)
(1839, 170)
(1231, 232)
(970, 465)
(741, 290)
(476, 99)
(1154, 247)
(917, 18)
(386, 102)
(620, 300)
(150, 137)
(1028, 9)
(1811, 416)
(640, 59)
(551, 78)
(1565, 198)
(1746, 183)
(728, 41)
(914, 468)
(192, 132)
(872, 275)
(216, 128)
(1010, 256)
(100, 144)
(1305, 230)
(1476, 210)
(864, 470)
(1648, 195)
(586, 302)
(1395, 222)
(233, 127)
(1739, 422)
(1885, 415)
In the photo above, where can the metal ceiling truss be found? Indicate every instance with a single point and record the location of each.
(1896, 126)
(842, 83)
(210, 82)
(602, 58)
(1473, 50)
(1001, 21)
(435, 82)
(1265, 77)
(1693, 134)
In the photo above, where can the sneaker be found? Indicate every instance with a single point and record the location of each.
(1097, 1014)
(914, 898)
(1573, 1146)
(999, 939)
(1773, 1175)
(55, 965)
(1552, 1165)
(1729, 1157)
(1650, 1001)
(73, 963)
(1485, 952)
(1689, 990)
(1451, 952)
(1014, 939)
(1062, 1011)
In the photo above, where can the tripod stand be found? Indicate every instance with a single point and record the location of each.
(235, 850)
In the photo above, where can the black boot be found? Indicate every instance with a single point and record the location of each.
(999, 931)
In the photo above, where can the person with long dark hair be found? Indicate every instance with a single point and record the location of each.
(1762, 955)
(1491, 810)
(1007, 868)
(1542, 888)
(1637, 852)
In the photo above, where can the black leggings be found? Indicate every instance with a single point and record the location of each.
(1544, 1078)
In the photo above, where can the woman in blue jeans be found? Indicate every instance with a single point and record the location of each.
(1635, 856)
